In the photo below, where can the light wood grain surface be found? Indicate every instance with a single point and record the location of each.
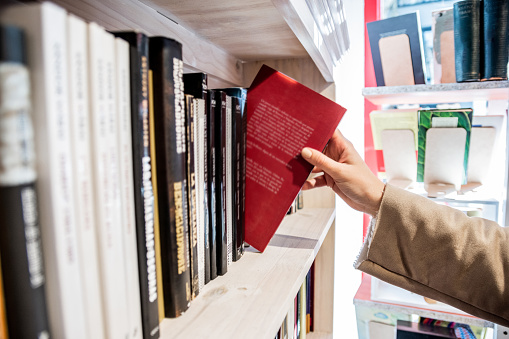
(252, 299)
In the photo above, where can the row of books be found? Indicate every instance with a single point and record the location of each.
(469, 44)
(300, 317)
(122, 179)
(403, 135)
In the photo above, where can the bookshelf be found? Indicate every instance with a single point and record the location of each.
(398, 305)
(229, 41)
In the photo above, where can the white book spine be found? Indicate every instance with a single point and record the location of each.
(87, 240)
(199, 128)
(127, 187)
(229, 180)
(105, 169)
(46, 35)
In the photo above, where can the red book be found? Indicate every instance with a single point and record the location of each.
(283, 116)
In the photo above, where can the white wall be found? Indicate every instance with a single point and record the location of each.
(349, 78)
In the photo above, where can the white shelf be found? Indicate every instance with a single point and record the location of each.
(439, 93)
(251, 300)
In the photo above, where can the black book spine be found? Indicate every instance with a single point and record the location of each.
(22, 262)
(238, 241)
(496, 47)
(220, 136)
(211, 161)
(467, 40)
(143, 191)
(196, 85)
(191, 195)
(170, 135)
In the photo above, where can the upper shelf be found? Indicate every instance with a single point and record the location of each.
(439, 93)
(251, 300)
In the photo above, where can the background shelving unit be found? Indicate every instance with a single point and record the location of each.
(230, 41)
(497, 91)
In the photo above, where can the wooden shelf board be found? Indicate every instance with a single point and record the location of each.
(439, 93)
(252, 299)
(318, 335)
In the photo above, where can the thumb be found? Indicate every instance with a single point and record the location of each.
(320, 160)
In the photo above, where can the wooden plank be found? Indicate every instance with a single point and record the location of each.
(248, 29)
(439, 93)
(304, 70)
(324, 285)
(198, 53)
(253, 298)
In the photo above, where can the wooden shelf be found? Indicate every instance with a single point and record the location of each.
(440, 93)
(252, 299)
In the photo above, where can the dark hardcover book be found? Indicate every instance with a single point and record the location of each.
(213, 203)
(143, 191)
(191, 195)
(467, 40)
(220, 176)
(396, 49)
(496, 44)
(196, 85)
(20, 235)
(239, 152)
(170, 135)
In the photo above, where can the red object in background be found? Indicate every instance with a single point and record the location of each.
(371, 13)
(283, 116)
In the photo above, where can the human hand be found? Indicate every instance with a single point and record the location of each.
(346, 173)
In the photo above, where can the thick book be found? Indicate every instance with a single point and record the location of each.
(128, 218)
(196, 85)
(213, 203)
(436, 118)
(283, 116)
(220, 182)
(239, 165)
(228, 178)
(45, 26)
(105, 162)
(467, 40)
(22, 290)
(496, 44)
(442, 31)
(191, 194)
(396, 49)
(78, 58)
(143, 191)
(170, 137)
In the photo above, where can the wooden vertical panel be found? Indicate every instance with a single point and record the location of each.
(324, 284)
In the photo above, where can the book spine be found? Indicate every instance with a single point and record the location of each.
(170, 135)
(192, 201)
(211, 162)
(83, 181)
(22, 289)
(238, 240)
(206, 208)
(496, 46)
(220, 135)
(45, 27)
(105, 170)
(243, 147)
(127, 188)
(142, 172)
(467, 43)
(199, 108)
(229, 191)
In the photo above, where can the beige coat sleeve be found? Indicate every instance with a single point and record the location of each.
(438, 252)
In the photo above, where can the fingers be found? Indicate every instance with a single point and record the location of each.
(319, 160)
(315, 182)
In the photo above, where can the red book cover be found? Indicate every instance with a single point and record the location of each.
(283, 116)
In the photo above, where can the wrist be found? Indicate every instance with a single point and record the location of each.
(376, 198)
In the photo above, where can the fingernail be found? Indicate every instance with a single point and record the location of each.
(306, 153)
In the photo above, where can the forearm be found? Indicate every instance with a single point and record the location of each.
(441, 253)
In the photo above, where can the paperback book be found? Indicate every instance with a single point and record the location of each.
(283, 116)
